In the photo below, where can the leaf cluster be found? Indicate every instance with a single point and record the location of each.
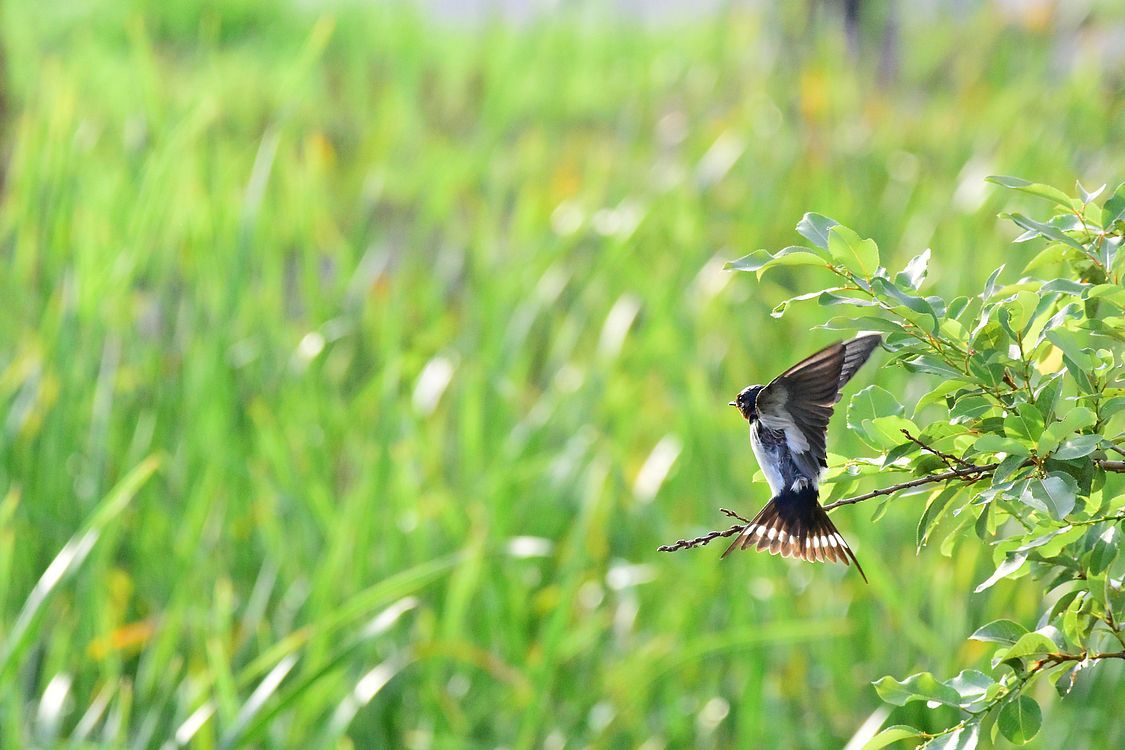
(1020, 430)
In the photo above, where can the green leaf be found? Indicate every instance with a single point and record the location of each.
(891, 735)
(1020, 719)
(969, 407)
(1076, 418)
(1112, 406)
(1114, 208)
(1064, 680)
(934, 366)
(884, 433)
(1107, 291)
(899, 451)
(1045, 230)
(1088, 196)
(828, 298)
(1075, 626)
(853, 252)
(1031, 644)
(870, 404)
(782, 306)
(1029, 304)
(869, 323)
(1071, 346)
(983, 526)
(1004, 317)
(1057, 491)
(1026, 423)
(986, 371)
(1010, 565)
(1066, 286)
(972, 685)
(912, 302)
(1059, 536)
(1105, 550)
(1053, 254)
(762, 260)
(990, 284)
(915, 272)
(1077, 447)
(918, 687)
(957, 306)
(965, 738)
(935, 511)
(960, 530)
(1033, 188)
(1007, 468)
(997, 444)
(939, 393)
(1079, 417)
(999, 631)
(814, 228)
(1045, 303)
(902, 342)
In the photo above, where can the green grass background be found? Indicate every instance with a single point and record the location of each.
(416, 342)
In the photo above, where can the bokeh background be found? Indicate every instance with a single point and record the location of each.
(355, 357)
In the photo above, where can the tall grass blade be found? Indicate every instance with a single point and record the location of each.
(70, 559)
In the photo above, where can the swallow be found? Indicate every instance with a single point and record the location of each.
(788, 426)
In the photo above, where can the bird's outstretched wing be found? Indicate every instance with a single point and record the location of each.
(799, 402)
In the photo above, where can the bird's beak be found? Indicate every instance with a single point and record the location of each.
(732, 404)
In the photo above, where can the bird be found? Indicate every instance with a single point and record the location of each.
(788, 427)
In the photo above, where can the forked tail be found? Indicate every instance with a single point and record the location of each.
(793, 524)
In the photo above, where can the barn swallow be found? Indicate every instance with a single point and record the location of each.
(788, 423)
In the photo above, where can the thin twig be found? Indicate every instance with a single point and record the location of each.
(700, 541)
(1104, 519)
(732, 514)
(949, 459)
(1052, 659)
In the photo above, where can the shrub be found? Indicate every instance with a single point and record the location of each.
(1017, 444)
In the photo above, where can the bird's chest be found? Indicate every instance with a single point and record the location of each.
(772, 453)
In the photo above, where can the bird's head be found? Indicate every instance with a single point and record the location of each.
(745, 401)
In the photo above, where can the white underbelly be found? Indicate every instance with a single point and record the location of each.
(767, 462)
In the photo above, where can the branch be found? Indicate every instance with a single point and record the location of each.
(965, 473)
(968, 473)
(1100, 519)
(700, 541)
(732, 514)
(1051, 660)
(949, 459)
(1084, 656)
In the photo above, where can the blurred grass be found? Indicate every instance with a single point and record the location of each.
(430, 330)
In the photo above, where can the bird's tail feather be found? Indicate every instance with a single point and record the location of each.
(793, 524)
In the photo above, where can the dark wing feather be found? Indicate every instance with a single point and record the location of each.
(802, 398)
(856, 353)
